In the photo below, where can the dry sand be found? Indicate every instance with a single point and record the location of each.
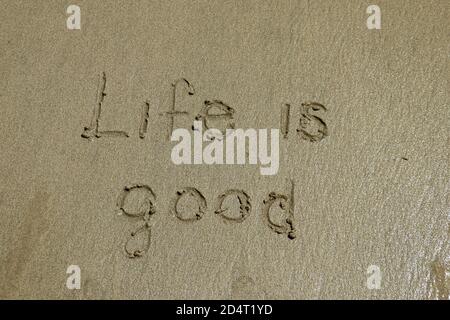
(373, 192)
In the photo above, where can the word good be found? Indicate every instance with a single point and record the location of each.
(138, 201)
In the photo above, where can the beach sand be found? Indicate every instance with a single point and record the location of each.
(372, 192)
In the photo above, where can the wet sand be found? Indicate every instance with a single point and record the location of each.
(372, 191)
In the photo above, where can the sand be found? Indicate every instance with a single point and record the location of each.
(373, 191)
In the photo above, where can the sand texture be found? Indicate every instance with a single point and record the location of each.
(373, 191)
